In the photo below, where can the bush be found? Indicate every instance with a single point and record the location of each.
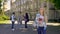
(4, 17)
(1, 18)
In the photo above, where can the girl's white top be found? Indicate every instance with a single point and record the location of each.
(40, 23)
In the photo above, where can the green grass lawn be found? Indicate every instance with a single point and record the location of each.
(5, 22)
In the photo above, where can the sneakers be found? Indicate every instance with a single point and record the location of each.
(34, 29)
(13, 29)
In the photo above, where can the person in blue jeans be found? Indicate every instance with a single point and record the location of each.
(12, 18)
(40, 21)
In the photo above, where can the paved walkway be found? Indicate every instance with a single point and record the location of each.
(52, 28)
(19, 29)
(31, 22)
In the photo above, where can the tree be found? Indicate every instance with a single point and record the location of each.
(0, 6)
(56, 3)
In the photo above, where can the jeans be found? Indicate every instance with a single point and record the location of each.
(25, 24)
(41, 30)
(12, 24)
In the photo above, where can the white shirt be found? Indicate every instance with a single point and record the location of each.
(40, 23)
(12, 18)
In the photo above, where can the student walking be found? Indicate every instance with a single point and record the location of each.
(12, 18)
(20, 19)
(40, 21)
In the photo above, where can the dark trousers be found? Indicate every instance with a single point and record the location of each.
(25, 24)
(41, 30)
(12, 24)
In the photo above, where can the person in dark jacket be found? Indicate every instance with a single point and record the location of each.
(26, 19)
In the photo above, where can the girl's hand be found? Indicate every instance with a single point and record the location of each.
(44, 28)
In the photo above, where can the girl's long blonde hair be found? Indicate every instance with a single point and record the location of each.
(41, 11)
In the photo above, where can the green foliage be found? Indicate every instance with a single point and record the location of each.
(0, 6)
(56, 3)
(4, 17)
(0, 3)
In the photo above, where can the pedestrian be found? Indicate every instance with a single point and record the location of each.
(35, 22)
(26, 17)
(12, 18)
(20, 19)
(40, 21)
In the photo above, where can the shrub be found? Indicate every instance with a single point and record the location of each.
(4, 17)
